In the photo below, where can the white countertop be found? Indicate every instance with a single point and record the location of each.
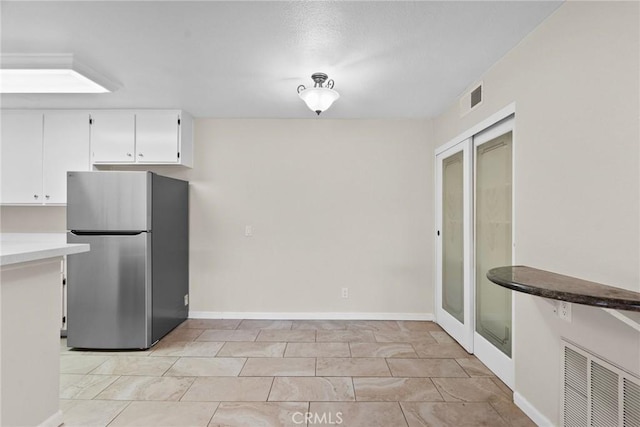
(23, 247)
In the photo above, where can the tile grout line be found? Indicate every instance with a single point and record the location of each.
(353, 385)
(169, 368)
(118, 413)
(403, 414)
(187, 389)
(461, 367)
(499, 414)
(415, 351)
(246, 359)
(386, 360)
(199, 335)
(104, 388)
(437, 389)
(214, 413)
(273, 380)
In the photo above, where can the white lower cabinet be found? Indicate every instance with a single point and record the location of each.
(38, 148)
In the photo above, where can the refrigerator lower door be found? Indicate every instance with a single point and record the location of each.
(109, 292)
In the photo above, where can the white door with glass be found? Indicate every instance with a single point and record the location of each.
(454, 300)
(472, 309)
(493, 195)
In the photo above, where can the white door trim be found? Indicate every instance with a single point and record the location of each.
(478, 128)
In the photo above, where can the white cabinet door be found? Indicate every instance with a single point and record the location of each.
(113, 137)
(157, 137)
(21, 158)
(66, 148)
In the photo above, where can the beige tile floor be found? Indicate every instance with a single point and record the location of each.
(253, 373)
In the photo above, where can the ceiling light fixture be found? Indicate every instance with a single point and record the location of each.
(49, 73)
(318, 98)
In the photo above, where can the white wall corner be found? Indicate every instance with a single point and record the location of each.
(531, 411)
(309, 316)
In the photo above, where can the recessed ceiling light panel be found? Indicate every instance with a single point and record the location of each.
(47, 81)
(50, 74)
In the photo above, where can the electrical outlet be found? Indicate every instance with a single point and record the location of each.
(564, 311)
(186, 299)
(345, 292)
(248, 230)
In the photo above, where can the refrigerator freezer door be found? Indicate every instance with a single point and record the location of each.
(109, 292)
(108, 201)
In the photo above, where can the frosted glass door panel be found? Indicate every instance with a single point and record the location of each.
(453, 236)
(493, 239)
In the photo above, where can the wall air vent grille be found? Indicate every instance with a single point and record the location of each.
(476, 96)
(631, 404)
(604, 396)
(471, 99)
(575, 388)
(597, 393)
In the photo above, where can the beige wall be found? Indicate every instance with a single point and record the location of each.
(575, 82)
(332, 203)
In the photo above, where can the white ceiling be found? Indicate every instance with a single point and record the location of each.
(245, 59)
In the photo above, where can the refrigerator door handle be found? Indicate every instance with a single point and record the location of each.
(106, 233)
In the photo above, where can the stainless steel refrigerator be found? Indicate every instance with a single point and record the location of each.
(132, 287)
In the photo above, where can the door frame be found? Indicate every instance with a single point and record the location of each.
(461, 331)
(503, 367)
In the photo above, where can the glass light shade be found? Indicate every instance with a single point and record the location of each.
(319, 99)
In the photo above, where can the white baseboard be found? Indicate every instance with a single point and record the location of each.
(54, 420)
(308, 316)
(535, 415)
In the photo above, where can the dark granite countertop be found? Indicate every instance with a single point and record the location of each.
(565, 288)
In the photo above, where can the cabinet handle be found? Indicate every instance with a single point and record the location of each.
(46, 196)
(128, 154)
(35, 196)
(140, 155)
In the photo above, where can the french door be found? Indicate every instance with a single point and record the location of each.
(475, 234)
(454, 299)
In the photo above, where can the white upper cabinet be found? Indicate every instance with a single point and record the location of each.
(38, 148)
(21, 157)
(157, 137)
(113, 137)
(142, 137)
(66, 148)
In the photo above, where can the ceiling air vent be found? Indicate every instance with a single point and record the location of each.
(597, 393)
(471, 99)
